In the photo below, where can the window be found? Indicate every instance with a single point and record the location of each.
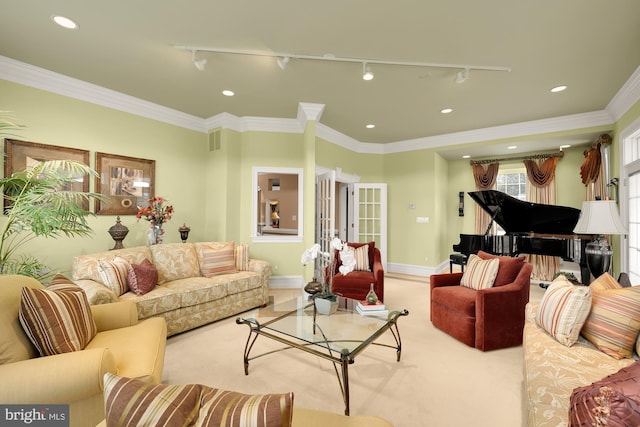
(513, 182)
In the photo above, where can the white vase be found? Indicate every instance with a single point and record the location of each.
(325, 306)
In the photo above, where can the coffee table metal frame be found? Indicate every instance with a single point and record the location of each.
(321, 347)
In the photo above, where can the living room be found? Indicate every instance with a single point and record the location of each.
(211, 189)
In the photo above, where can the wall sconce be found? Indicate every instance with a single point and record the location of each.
(184, 232)
(461, 204)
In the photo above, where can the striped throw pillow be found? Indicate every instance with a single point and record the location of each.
(361, 255)
(57, 319)
(480, 274)
(216, 258)
(242, 257)
(563, 309)
(113, 274)
(614, 321)
(131, 402)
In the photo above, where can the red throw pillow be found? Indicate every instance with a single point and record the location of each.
(613, 401)
(508, 269)
(142, 277)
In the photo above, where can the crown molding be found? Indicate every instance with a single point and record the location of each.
(627, 96)
(39, 78)
(32, 76)
(556, 124)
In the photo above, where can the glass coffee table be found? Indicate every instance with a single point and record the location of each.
(339, 337)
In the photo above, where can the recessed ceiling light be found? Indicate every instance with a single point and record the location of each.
(370, 126)
(65, 22)
(446, 110)
(512, 147)
(558, 89)
(228, 92)
(466, 156)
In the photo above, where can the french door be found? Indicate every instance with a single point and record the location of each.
(370, 221)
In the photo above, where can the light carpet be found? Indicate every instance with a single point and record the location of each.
(438, 381)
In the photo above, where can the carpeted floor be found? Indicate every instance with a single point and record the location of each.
(438, 382)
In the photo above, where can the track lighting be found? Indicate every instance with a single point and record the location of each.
(199, 63)
(282, 62)
(462, 76)
(283, 59)
(366, 72)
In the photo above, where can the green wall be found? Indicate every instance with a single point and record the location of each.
(207, 177)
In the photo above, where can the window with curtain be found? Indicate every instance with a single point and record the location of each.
(513, 181)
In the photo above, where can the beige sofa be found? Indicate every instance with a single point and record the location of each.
(122, 345)
(183, 296)
(552, 371)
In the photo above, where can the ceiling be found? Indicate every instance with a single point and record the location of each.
(589, 45)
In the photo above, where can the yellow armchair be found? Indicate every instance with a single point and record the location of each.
(122, 346)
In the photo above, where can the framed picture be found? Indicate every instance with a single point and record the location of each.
(125, 183)
(22, 154)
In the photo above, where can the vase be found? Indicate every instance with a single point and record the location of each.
(372, 298)
(155, 235)
(325, 306)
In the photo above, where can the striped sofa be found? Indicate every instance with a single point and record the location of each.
(192, 287)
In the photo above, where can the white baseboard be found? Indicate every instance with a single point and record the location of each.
(286, 282)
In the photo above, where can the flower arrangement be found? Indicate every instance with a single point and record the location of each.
(346, 256)
(157, 212)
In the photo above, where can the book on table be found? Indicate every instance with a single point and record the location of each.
(365, 306)
(378, 312)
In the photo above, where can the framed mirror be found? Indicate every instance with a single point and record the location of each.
(277, 206)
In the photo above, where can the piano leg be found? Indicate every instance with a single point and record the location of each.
(585, 274)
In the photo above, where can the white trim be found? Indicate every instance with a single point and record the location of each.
(286, 282)
(413, 270)
(29, 75)
(626, 97)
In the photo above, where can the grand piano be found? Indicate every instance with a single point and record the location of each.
(530, 228)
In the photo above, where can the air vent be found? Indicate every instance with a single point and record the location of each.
(214, 140)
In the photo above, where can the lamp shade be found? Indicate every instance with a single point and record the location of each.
(599, 217)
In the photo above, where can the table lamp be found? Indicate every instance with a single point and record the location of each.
(599, 217)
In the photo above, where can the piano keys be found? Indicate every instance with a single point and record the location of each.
(530, 228)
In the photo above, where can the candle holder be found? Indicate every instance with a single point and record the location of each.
(184, 232)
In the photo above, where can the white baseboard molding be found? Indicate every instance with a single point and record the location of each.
(286, 282)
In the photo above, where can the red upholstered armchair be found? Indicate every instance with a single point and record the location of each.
(356, 284)
(486, 319)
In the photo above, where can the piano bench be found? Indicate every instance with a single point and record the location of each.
(459, 259)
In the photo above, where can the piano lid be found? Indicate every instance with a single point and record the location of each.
(516, 216)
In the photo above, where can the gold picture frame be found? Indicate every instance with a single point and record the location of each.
(21, 154)
(125, 182)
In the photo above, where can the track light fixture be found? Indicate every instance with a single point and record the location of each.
(282, 62)
(462, 76)
(284, 58)
(367, 74)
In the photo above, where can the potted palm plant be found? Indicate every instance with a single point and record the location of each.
(39, 204)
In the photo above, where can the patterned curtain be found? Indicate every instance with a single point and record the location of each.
(592, 169)
(541, 189)
(485, 177)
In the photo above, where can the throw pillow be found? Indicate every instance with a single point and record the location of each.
(479, 274)
(142, 277)
(57, 319)
(361, 255)
(216, 258)
(508, 270)
(132, 402)
(113, 274)
(614, 321)
(563, 309)
(135, 403)
(612, 401)
(242, 257)
(222, 408)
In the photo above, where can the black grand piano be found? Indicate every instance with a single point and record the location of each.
(530, 228)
